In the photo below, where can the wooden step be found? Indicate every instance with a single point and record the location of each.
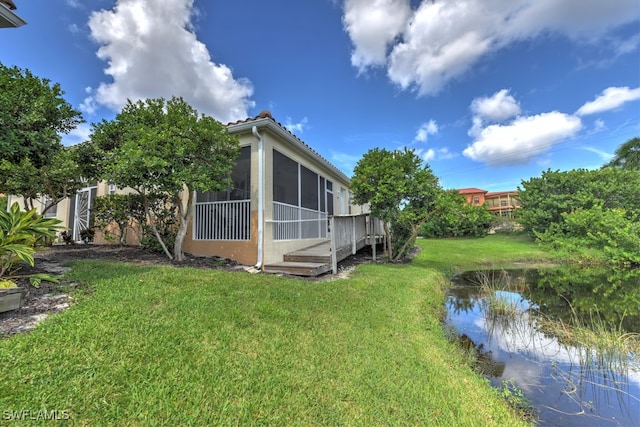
(305, 257)
(310, 269)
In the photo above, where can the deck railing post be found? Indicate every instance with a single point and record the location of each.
(353, 235)
(372, 236)
(334, 259)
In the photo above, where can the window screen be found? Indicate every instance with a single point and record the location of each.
(285, 179)
(309, 192)
(241, 177)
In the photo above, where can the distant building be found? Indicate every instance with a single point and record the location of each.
(474, 196)
(498, 202)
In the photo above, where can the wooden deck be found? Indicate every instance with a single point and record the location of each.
(349, 234)
(312, 261)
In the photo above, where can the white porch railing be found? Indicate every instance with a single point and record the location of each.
(349, 233)
(222, 220)
(294, 223)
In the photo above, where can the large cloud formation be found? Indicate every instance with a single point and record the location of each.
(425, 48)
(504, 137)
(152, 51)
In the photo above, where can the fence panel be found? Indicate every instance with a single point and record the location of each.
(222, 220)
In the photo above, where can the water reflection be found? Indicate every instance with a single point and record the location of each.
(567, 385)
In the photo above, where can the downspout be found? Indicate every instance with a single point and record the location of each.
(254, 130)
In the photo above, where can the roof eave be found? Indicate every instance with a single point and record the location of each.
(287, 136)
(8, 19)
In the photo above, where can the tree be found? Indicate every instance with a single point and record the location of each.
(164, 147)
(455, 217)
(399, 190)
(33, 114)
(585, 213)
(59, 179)
(544, 199)
(627, 155)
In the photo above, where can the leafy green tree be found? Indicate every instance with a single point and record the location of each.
(544, 199)
(164, 147)
(627, 155)
(33, 115)
(455, 217)
(590, 214)
(398, 190)
(123, 210)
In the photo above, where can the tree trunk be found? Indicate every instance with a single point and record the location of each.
(185, 217)
(388, 234)
(152, 224)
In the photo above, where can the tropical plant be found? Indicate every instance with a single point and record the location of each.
(627, 155)
(19, 232)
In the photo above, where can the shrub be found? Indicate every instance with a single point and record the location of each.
(123, 210)
(614, 232)
(19, 233)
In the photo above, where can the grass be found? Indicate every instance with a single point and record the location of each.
(178, 346)
(496, 251)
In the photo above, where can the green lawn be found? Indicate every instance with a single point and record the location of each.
(178, 346)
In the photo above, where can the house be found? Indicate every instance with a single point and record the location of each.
(283, 199)
(498, 202)
(474, 196)
(502, 202)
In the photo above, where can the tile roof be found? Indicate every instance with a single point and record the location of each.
(266, 114)
(10, 4)
(471, 190)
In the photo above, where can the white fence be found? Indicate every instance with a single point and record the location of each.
(222, 220)
(294, 223)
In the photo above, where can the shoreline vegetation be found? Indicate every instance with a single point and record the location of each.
(151, 345)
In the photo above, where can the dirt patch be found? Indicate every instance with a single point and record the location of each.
(48, 298)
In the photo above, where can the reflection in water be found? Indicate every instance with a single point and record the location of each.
(567, 385)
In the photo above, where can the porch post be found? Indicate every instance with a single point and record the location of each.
(372, 235)
(334, 259)
(354, 246)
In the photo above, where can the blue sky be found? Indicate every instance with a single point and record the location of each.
(487, 92)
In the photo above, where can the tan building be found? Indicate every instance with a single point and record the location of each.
(282, 197)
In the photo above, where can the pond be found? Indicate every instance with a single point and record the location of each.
(520, 326)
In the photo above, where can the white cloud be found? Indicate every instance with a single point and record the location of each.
(426, 129)
(606, 157)
(152, 52)
(76, 136)
(522, 139)
(611, 98)
(497, 108)
(372, 26)
(433, 154)
(296, 127)
(425, 48)
(428, 155)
